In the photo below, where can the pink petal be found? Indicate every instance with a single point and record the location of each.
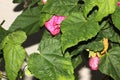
(58, 19)
(44, 1)
(53, 25)
(118, 4)
(93, 63)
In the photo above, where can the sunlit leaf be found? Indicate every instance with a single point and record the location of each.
(14, 54)
(43, 18)
(105, 7)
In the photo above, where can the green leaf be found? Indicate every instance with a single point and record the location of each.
(16, 38)
(111, 34)
(60, 7)
(43, 18)
(18, 1)
(14, 54)
(116, 18)
(3, 33)
(114, 44)
(95, 46)
(110, 63)
(76, 61)
(50, 45)
(28, 21)
(105, 7)
(51, 64)
(75, 29)
(33, 3)
(78, 49)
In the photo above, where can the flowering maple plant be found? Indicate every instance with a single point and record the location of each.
(71, 28)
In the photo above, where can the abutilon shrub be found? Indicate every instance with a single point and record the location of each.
(71, 28)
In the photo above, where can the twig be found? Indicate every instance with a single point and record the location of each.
(2, 22)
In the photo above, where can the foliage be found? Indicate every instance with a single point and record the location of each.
(110, 63)
(14, 54)
(87, 22)
(53, 64)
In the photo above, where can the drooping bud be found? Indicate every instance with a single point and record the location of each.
(118, 4)
(44, 1)
(93, 62)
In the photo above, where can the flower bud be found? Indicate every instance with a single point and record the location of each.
(118, 4)
(44, 1)
(93, 62)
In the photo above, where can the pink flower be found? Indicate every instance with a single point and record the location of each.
(44, 1)
(118, 4)
(53, 25)
(93, 63)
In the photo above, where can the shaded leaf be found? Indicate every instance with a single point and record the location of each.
(110, 63)
(78, 49)
(76, 61)
(116, 18)
(28, 21)
(18, 1)
(111, 34)
(3, 33)
(95, 46)
(105, 7)
(14, 54)
(75, 29)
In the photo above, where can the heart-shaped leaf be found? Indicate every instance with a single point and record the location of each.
(76, 28)
(14, 54)
(105, 7)
(51, 64)
(110, 63)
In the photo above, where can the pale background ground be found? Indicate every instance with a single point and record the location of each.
(7, 14)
